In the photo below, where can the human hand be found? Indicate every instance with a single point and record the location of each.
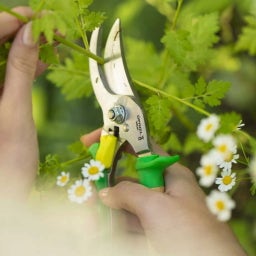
(176, 222)
(18, 138)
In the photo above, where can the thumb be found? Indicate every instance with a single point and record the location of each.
(20, 71)
(129, 196)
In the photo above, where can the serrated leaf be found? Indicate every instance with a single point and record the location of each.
(203, 35)
(48, 54)
(216, 91)
(72, 77)
(200, 86)
(178, 45)
(158, 113)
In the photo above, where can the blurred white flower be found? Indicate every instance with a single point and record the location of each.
(93, 170)
(224, 145)
(208, 170)
(226, 181)
(80, 191)
(252, 168)
(220, 204)
(207, 127)
(226, 161)
(63, 179)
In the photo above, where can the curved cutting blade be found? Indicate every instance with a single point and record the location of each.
(115, 67)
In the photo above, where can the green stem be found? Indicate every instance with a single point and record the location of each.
(151, 88)
(15, 14)
(177, 13)
(79, 49)
(81, 25)
(78, 159)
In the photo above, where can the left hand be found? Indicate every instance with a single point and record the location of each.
(18, 137)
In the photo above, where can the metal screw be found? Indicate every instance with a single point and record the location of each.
(117, 114)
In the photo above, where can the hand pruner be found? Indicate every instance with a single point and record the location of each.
(123, 117)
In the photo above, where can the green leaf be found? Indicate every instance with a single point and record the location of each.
(148, 73)
(178, 45)
(203, 35)
(77, 148)
(200, 86)
(247, 39)
(229, 122)
(216, 90)
(158, 112)
(48, 54)
(48, 171)
(173, 143)
(92, 20)
(72, 77)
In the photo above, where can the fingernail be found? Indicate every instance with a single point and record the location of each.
(27, 38)
(104, 192)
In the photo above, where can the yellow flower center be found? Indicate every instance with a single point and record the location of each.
(64, 179)
(208, 127)
(222, 148)
(220, 205)
(227, 180)
(80, 191)
(208, 170)
(93, 170)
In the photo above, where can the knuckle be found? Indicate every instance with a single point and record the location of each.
(23, 64)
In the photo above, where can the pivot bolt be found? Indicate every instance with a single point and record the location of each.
(117, 114)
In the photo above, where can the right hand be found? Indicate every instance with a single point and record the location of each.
(176, 222)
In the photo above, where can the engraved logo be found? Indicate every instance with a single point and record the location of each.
(139, 128)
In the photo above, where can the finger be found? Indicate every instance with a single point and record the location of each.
(20, 72)
(10, 24)
(129, 196)
(180, 181)
(90, 138)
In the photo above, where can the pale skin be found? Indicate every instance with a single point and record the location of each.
(176, 222)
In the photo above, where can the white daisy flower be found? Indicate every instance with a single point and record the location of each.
(80, 191)
(220, 204)
(252, 168)
(227, 180)
(225, 144)
(63, 179)
(94, 170)
(208, 170)
(207, 127)
(226, 162)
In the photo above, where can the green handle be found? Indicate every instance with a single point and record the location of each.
(151, 169)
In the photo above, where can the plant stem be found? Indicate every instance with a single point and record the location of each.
(67, 163)
(79, 49)
(180, 2)
(151, 88)
(15, 14)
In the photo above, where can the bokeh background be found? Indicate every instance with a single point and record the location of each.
(61, 122)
